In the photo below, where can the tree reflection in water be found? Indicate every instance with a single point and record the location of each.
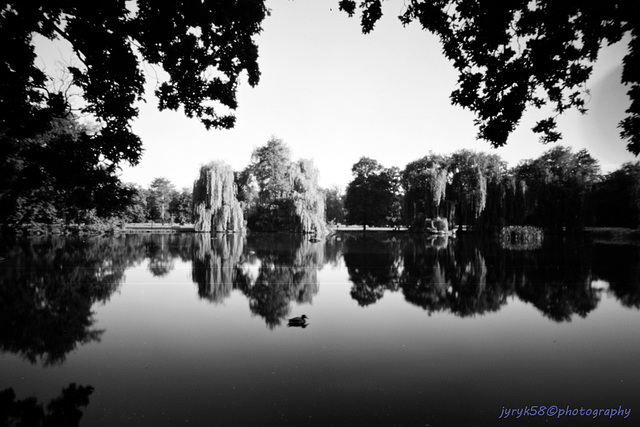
(216, 261)
(468, 276)
(372, 264)
(556, 280)
(47, 288)
(475, 277)
(619, 265)
(64, 410)
(270, 269)
(48, 285)
(162, 249)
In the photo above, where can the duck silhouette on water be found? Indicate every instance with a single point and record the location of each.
(298, 322)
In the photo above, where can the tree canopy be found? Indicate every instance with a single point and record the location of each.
(425, 183)
(59, 175)
(280, 194)
(514, 55)
(203, 46)
(372, 196)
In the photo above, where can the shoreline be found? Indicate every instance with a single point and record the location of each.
(609, 235)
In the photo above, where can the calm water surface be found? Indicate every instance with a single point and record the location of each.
(192, 330)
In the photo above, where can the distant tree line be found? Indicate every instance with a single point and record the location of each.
(159, 202)
(561, 191)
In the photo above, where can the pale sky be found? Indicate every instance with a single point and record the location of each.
(335, 95)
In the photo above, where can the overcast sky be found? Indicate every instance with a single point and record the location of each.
(335, 95)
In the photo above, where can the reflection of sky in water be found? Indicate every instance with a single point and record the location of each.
(168, 356)
(251, 269)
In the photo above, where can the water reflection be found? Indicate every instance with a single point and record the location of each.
(271, 270)
(47, 289)
(48, 285)
(162, 249)
(469, 276)
(619, 265)
(216, 261)
(449, 276)
(373, 266)
(373, 352)
(64, 410)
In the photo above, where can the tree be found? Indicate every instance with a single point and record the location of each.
(395, 212)
(270, 165)
(160, 191)
(334, 198)
(59, 175)
(617, 198)
(308, 198)
(288, 196)
(474, 175)
(370, 196)
(137, 210)
(204, 47)
(215, 206)
(559, 185)
(515, 55)
(180, 206)
(425, 183)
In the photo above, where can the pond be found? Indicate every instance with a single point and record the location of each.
(402, 330)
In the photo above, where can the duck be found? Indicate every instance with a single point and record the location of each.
(298, 321)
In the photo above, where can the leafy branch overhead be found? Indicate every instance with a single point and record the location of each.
(203, 46)
(519, 54)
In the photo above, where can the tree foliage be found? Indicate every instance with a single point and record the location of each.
(159, 197)
(280, 194)
(425, 183)
(559, 185)
(215, 205)
(617, 197)
(370, 196)
(203, 46)
(271, 167)
(180, 206)
(560, 191)
(59, 175)
(334, 201)
(474, 175)
(515, 55)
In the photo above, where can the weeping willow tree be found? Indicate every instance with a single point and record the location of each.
(476, 176)
(475, 198)
(215, 205)
(506, 202)
(308, 198)
(425, 184)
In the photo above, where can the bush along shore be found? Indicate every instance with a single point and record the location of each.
(110, 226)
